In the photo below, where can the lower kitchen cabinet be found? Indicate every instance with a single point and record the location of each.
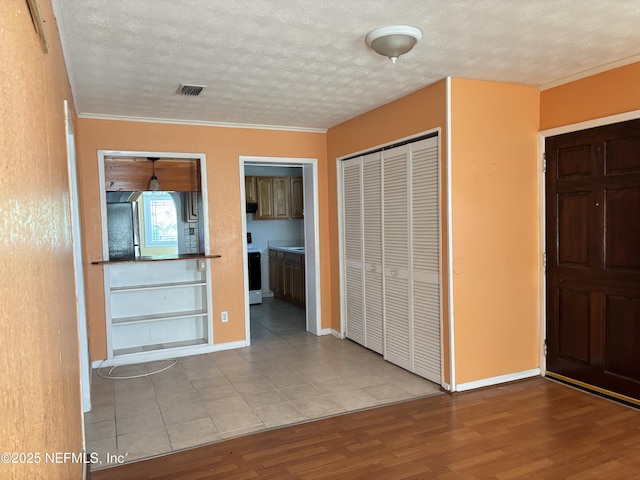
(287, 276)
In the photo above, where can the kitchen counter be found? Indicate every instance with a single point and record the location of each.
(159, 258)
(288, 249)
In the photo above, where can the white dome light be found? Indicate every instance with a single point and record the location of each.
(394, 40)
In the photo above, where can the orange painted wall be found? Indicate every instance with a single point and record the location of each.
(495, 228)
(40, 400)
(223, 147)
(423, 110)
(607, 93)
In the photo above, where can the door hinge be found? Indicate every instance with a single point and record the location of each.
(544, 162)
(546, 349)
(544, 261)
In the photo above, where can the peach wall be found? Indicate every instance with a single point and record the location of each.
(607, 93)
(423, 110)
(495, 228)
(40, 403)
(223, 147)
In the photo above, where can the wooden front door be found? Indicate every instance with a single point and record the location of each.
(593, 256)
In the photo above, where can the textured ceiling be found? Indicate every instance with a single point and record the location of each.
(304, 63)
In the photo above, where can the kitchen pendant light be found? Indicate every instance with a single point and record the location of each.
(154, 184)
(394, 40)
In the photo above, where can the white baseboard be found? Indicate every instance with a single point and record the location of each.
(141, 357)
(487, 382)
(446, 386)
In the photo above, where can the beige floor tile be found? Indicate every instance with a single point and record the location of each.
(167, 387)
(100, 430)
(364, 381)
(255, 386)
(102, 447)
(387, 392)
(129, 409)
(146, 394)
(335, 385)
(264, 398)
(179, 413)
(138, 423)
(146, 443)
(217, 393)
(200, 373)
(236, 420)
(100, 414)
(283, 381)
(191, 430)
(317, 406)
(280, 414)
(418, 386)
(126, 371)
(210, 382)
(353, 399)
(300, 392)
(177, 399)
(221, 406)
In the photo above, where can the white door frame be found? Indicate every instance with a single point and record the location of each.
(445, 261)
(542, 137)
(312, 238)
(76, 237)
(201, 158)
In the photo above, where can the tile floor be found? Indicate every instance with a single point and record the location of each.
(286, 376)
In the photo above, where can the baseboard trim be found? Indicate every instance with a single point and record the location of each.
(446, 386)
(167, 354)
(487, 382)
(330, 331)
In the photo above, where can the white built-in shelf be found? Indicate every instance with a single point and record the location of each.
(157, 317)
(158, 286)
(160, 346)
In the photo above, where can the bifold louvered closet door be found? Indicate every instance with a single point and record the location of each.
(391, 234)
(362, 194)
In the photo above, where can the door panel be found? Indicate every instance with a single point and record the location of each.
(593, 256)
(623, 232)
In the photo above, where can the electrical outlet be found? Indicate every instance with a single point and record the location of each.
(225, 317)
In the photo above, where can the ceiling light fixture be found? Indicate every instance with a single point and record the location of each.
(154, 184)
(394, 40)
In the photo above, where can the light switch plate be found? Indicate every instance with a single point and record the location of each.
(202, 265)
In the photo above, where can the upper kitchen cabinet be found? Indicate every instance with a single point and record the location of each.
(273, 198)
(130, 174)
(250, 190)
(297, 198)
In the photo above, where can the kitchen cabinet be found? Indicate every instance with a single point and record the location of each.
(287, 276)
(391, 235)
(250, 189)
(265, 198)
(297, 198)
(131, 174)
(279, 198)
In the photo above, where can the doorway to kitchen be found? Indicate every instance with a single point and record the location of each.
(308, 252)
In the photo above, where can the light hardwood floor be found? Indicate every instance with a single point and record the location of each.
(530, 429)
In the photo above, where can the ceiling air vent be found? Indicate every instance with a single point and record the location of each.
(190, 90)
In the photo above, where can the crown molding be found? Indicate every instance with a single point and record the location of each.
(592, 71)
(200, 123)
